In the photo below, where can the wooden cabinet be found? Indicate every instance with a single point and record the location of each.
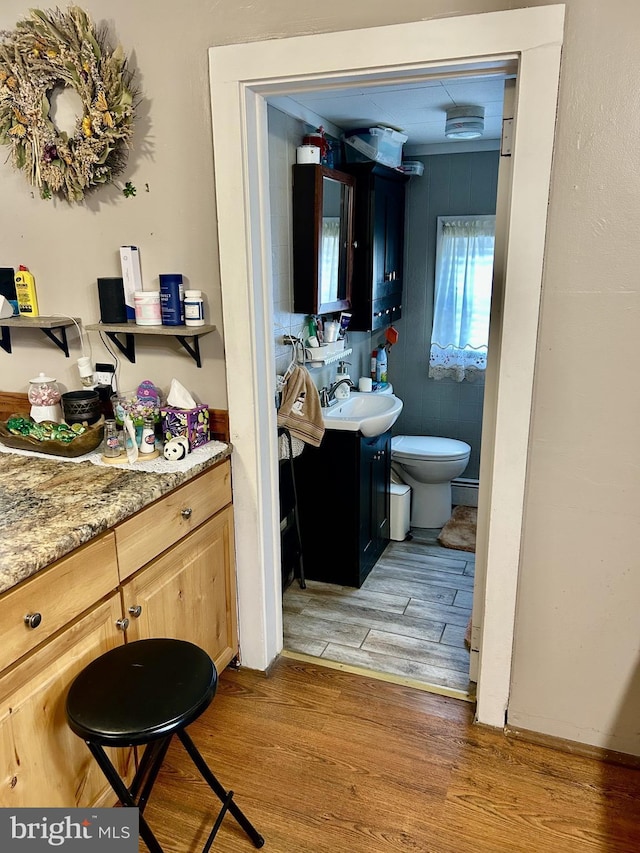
(345, 480)
(189, 592)
(154, 529)
(322, 239)
(43, 762)
(379, 236)
(177, 564)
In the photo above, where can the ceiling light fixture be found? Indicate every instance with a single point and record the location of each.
(464, 123)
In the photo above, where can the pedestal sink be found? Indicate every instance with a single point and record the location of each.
(371, 414)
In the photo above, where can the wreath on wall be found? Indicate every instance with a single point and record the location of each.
(53, 50)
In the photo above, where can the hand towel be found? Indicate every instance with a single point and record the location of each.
(300, 411)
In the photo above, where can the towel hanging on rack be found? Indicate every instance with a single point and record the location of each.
(300, 411)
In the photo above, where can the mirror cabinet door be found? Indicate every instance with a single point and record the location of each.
(322, 239)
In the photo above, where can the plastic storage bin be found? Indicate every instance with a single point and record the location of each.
(377, 144)
(400, 511)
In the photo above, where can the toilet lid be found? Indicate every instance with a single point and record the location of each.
(428, 447)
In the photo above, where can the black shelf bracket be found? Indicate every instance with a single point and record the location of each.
(5, 339)
(60, 342)
(128, 348)
(123, 336)
(194, 351)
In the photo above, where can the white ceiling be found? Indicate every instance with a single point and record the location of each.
(418, 109)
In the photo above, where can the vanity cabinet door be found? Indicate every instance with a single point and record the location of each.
(43, 762)
(375, 476)
(189, 592)
(350, 474)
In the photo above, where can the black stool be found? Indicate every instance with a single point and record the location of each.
(141, 694)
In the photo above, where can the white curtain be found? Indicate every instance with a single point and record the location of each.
(330, 255)
(464, 272)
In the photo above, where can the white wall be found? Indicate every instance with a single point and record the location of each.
(576, 654)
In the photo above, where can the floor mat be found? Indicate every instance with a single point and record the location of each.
(460, 531)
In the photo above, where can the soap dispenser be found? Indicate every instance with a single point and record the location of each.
(342, 391)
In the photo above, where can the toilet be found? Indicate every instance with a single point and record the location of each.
(428, 464)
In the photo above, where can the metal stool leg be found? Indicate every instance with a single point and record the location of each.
(220, 792)
(123, 794)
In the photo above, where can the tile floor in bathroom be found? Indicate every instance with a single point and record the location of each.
(408, 619)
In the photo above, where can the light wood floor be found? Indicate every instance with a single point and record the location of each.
(408, 619)
(324, 761)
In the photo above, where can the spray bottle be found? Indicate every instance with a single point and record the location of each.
(381, 364)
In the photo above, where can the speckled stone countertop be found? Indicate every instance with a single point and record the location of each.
(49, 507)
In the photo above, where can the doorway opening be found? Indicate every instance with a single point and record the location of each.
(242, 77)
(409, 620)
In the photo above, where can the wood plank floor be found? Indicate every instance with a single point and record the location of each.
(408, 619)
(324, 761)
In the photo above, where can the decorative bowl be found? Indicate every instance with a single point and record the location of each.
(85, 443)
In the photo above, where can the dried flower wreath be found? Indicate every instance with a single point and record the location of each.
(53, 49)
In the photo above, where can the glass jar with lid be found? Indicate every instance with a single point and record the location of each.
(44, 396)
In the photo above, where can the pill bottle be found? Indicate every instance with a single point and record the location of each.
(193, 308)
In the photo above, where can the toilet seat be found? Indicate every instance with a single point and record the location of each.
(431, 447)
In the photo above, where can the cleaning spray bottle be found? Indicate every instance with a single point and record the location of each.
(26, 293)
(381, 364)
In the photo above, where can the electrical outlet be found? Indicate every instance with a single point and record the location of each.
(103, 374)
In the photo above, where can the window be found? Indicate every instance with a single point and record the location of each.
(464, 272)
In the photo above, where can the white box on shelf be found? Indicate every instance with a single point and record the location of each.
(131, 276)
(377, 144)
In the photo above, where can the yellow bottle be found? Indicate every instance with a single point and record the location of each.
(26, 292)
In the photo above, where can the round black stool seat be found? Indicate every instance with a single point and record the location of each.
(141, 691)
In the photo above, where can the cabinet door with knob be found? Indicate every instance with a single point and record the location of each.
(43, 762)
(188, 592)
(379, 235)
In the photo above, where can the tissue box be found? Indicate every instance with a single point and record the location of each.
(193, 424)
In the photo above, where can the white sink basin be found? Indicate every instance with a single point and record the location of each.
(370, 413)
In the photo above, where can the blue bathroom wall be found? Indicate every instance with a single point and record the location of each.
(452, 184)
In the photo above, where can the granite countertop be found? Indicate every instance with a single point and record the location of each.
(49, 507)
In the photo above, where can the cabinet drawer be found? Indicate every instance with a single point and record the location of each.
(59, 594)
(155, 528)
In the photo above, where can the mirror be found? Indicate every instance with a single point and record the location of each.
(322, 239)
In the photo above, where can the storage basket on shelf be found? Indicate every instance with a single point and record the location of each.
(377, 144)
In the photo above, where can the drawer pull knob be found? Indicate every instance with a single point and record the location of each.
(135, 610)
(122, 624)
(32, 620)
(186, 513)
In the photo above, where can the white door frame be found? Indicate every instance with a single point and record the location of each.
(242, 77)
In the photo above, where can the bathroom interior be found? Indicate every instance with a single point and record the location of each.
(408, 620)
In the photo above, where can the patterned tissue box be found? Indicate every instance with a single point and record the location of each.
(193, 424)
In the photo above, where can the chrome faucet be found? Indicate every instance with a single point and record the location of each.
(331, 393)
(328, 395)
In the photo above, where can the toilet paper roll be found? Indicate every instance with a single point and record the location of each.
(307, 154)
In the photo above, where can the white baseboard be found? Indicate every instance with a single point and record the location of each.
(464, 492)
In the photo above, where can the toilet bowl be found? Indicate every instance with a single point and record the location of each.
(428, 464)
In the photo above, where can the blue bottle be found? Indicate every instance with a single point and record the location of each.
(172, 299)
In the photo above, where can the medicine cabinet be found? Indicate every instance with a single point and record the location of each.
(323, 207)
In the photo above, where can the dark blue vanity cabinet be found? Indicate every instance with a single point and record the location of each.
(343, 505)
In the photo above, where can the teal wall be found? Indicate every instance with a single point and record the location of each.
(452, 184)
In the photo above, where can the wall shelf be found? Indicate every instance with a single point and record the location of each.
(48, 325)
(338, 355)
(115, 331)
